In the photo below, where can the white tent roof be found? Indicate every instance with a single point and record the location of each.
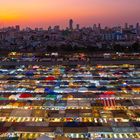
(44, 138)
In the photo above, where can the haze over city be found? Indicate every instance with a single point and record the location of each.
(42, 13)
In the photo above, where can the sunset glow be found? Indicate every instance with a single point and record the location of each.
(52, 12)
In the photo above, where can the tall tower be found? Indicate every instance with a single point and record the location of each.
(77, 27)
(126, 26)
(99, 26)
(94, 27)
(138, 28)
(71, 24)
(17, 27)
(137, 25)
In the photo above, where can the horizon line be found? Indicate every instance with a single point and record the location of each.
(74, 25)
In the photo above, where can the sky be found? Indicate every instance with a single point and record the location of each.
(42, 13)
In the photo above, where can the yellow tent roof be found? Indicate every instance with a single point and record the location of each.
(61, 138)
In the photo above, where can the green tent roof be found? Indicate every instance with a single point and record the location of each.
(2, 98)
(52, 97)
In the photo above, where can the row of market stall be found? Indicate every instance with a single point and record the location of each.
(39, 98)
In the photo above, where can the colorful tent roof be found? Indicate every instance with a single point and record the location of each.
(61, 138)
(82, 89)
(51, 97)
(50, 78)
(25, 95)
(109, 92)
(69, 90)
(29, 73)
(12, 97)
(50, 91)
(44, 138)
(102, 88)
(35, 67)
(2, 98)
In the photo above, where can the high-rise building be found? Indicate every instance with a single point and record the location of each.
(94, 26)
(49, 28)
(131, 27)
(126, 26)
(36, 29)
(56, 28)
(71, 24)
(137, 25)
(77, 27)
(137, 28)
(17, 27)
(99, 26)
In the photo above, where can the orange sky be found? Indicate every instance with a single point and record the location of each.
(37, 13)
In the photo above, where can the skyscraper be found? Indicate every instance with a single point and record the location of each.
(137, 25)
(99, 26)
(77, 27)
(94, 27)
(126, 26)
(137, 28)
(17, 27)
(71, 24)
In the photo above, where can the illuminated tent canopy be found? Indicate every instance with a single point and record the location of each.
(49, 91)
(82, 89)
(12, 97)
(50, 78)
(25, 95)
(51, 97)
(103, 88)
(61, 138)
(35, 67)
(109, 92)
(2, 98)
(44, 138)
(29, 73)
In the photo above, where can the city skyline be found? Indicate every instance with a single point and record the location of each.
(72, 25)
(44, 13)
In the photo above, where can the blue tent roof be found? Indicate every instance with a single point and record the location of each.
(71, 124)
(102, 88)
(50, 91)
(47, 89)
(58, 83)
(92, 87)
(29, 73)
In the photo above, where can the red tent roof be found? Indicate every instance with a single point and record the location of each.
(25, 95)
(50, 78)
(109, 92)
